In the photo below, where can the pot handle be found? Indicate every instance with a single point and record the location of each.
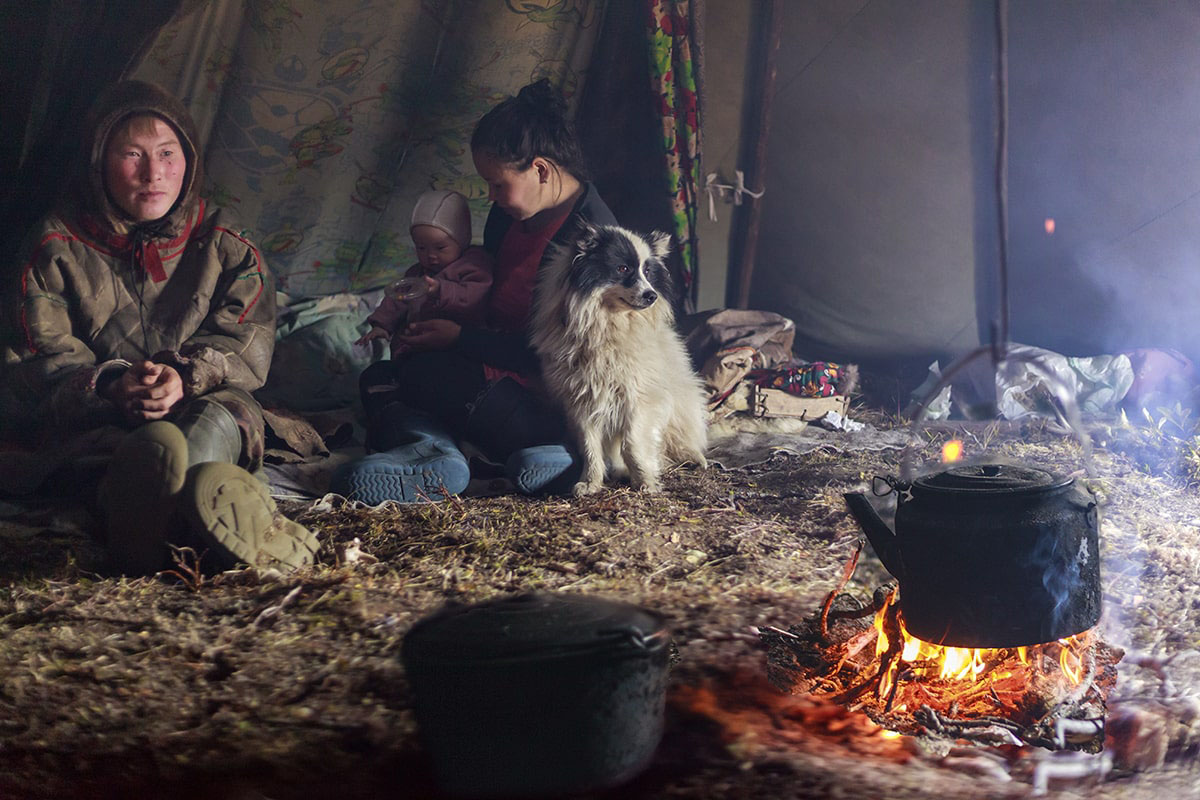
(633, 636)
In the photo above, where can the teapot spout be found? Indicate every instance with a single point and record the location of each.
(881, 537)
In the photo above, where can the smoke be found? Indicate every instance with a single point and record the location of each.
(1061, 572)
(1123, 567)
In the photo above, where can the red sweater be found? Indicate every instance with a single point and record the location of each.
(516, 273)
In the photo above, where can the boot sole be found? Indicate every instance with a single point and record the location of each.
(237, 522)
(555, 472)
(378, 478)
(138, 494)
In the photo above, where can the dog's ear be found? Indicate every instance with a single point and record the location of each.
(587, 236)
(660, 243)
(581, 235)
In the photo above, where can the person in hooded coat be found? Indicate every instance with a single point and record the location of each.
(140, 320)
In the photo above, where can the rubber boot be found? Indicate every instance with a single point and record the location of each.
(211, 431)
(415, 461)
(138, 494)
(234, 521)
(513, 426)
(544, 469)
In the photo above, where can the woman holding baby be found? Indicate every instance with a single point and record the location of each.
(462, 382)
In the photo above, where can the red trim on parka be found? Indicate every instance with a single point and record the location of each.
(116, 245)
(257, 268)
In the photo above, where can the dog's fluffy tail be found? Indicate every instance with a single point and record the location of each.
(686, 435)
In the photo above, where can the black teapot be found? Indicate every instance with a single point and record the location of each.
(989, 555)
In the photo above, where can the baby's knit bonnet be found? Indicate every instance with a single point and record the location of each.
(447, 210)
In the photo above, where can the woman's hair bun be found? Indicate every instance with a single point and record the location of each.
(532, 123)
(541, 96)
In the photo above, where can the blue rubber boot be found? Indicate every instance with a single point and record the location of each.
(544, 469)
(415, 461)
(517, 428)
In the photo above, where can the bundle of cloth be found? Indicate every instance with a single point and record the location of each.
(744, 355)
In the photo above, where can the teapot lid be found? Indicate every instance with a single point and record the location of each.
(997, 478)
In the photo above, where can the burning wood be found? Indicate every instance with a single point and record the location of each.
(1051, 695)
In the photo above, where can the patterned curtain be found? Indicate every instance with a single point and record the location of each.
(675, 78)
(325, 119)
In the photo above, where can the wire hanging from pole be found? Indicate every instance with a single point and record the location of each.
(999, 349)
(1000, 326)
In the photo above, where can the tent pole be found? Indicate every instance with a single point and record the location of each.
(771, 22)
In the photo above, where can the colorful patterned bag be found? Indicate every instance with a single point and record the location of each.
(815, 379)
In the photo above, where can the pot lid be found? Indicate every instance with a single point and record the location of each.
(534, 625)
(997, 478)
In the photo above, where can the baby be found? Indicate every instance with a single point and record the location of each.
(450, 280)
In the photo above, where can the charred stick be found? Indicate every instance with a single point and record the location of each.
(857, 642)
(970, 693)
(779, 631)
(932, 717)
(895, 687)
(859, 613)
(989, 722)
(895, 648)
(875, 682)
(847, 571)
(854, 692)
(854, 645)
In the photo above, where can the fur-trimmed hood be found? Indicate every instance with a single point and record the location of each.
(87, 195)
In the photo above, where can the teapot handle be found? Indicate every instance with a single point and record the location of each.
(891, 484)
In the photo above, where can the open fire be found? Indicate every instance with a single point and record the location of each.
(999, 671)
(862, 656)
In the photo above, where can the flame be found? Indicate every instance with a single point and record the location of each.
(1069, 662)
(965, 664)
(952, 451)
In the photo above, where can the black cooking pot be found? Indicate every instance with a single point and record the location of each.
(538, 694)
(989, 555)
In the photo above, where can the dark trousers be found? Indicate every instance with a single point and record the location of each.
(499, 417)
(443, 384)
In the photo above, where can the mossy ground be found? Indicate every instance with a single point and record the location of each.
(242, 685)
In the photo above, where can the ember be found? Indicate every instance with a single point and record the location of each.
(1049, 694)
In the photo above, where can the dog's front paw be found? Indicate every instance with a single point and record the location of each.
(584, 488)
(651, 485)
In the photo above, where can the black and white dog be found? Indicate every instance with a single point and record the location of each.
(612, 359)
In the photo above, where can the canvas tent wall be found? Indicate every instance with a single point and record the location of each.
(879, 227)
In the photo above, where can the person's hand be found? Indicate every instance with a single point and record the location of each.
(147, 391)
(430, 334)
(372, 335)
(433, 288)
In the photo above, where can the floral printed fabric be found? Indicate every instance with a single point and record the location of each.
(324, 120)
(674, 81)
